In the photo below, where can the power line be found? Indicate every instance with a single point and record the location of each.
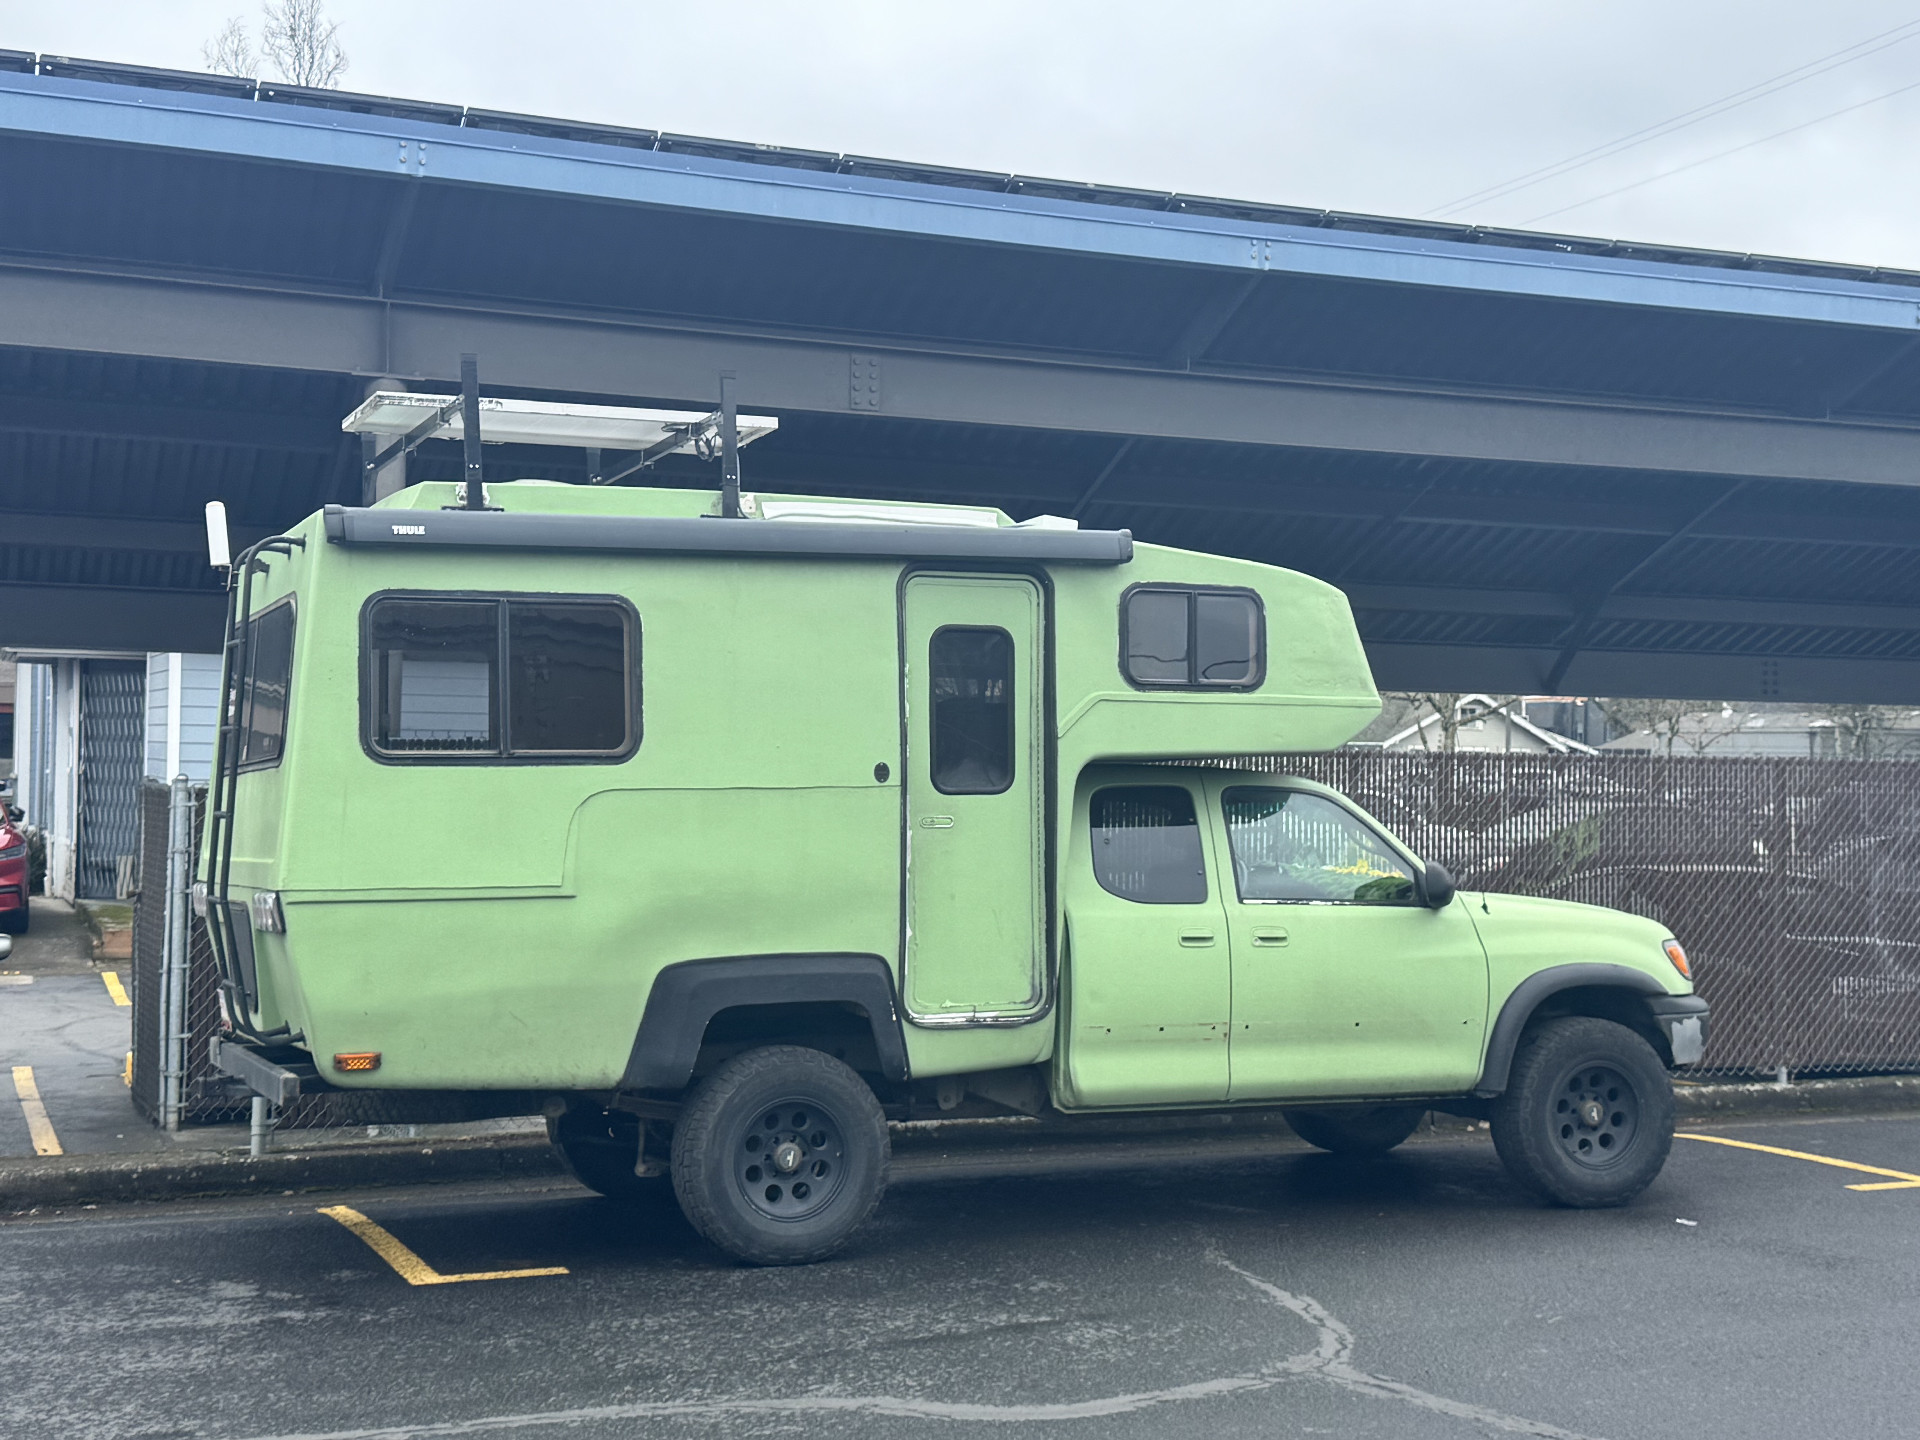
(1721, 155)
(1872, 45)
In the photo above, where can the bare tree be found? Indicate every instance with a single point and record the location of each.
(1450, 712)
(303, 43)
(231, 52)
(1700, 723)
(1869, 732)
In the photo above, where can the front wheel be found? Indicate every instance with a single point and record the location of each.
(1587, 1119)
(780, 1155)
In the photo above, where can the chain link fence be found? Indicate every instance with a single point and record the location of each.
(1793, 883)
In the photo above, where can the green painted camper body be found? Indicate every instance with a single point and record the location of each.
(500, 926)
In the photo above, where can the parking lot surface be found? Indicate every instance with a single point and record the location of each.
(1747, 1294)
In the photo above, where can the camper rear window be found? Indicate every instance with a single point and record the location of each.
(500, 678)
(1192, 638)
(263, 695)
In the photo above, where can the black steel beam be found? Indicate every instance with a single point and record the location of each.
(347, 334)
(113, 532)
(1653, 609)
(179, 424)
(1515, 670)
(95, 617)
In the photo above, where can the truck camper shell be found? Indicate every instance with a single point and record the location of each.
(557, 795)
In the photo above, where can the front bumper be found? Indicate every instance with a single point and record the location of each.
(1683, 1020)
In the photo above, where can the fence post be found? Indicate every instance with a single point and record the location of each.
(173, 987)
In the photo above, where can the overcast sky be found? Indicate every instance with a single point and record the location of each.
(1392, 107)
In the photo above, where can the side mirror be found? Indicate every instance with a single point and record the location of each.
(1438, 886)
(14, 812)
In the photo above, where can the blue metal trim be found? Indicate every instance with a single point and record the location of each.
(382, 145)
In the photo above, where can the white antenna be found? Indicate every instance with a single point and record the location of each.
(219, 548)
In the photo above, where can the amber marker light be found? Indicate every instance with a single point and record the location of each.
(1675, 954)
(364, 1060)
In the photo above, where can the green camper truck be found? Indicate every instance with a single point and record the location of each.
(723, 838)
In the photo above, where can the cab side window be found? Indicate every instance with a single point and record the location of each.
(497, 678)
(1290, 845)
(263, 693)
(1146, 844)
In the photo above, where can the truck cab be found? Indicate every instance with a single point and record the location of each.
(721, 830)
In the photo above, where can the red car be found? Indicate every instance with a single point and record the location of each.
(13, 873)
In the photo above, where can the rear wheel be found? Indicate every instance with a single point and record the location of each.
(600, 1149)
(780, 1155)
(1587, 1119)
(1359, 1130)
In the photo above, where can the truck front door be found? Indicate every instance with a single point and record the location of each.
(975, 793)
(1148, 996)
(1344, 983)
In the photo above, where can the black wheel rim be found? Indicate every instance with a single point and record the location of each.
(1594, 1116)
(790, 1159)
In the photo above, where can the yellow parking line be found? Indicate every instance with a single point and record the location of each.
(45, 1142)
(409, 1266)
(115, 988)
(1901, 1179)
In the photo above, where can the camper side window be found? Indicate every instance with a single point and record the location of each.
(1192, 638)
(504, 678)
(1146, 844)
(263, 696)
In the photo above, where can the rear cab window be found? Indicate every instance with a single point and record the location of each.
(1146, 844)
(499, 679)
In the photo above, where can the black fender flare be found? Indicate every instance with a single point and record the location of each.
(1526, 998)
(686, 996)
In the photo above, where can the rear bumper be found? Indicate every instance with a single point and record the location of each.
(1683, 1020)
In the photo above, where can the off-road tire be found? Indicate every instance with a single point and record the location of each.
(1359, 1130)
(727, 1159)
(1587, 1118)
(599, 1149)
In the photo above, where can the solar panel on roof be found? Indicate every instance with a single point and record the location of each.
(540, 422)
(429, 111)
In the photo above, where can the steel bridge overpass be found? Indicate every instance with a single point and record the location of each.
(1535, 462)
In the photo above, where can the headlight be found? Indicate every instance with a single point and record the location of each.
(13, 852)
(1678, 957)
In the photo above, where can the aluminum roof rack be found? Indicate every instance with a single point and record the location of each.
(640, 437)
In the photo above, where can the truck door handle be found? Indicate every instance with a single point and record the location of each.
(1269, 938)
(1196, 937)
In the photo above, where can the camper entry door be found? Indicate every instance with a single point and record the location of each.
(974, 795)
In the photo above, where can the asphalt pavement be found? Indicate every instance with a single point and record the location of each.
(1749, 1293)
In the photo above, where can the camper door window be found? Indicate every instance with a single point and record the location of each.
(432, 680)
(1192, 638)
(263, 695)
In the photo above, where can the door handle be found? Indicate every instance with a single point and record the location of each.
(1270, 938)
(936, 822)
(1196, 937)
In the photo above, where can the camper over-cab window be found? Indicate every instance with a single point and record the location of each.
(1192, 638)
(499, 678)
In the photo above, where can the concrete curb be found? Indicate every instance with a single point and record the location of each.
(112, 1179)
(69, 1180)
(1863, 1095)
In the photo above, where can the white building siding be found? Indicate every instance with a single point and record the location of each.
(180, 726)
